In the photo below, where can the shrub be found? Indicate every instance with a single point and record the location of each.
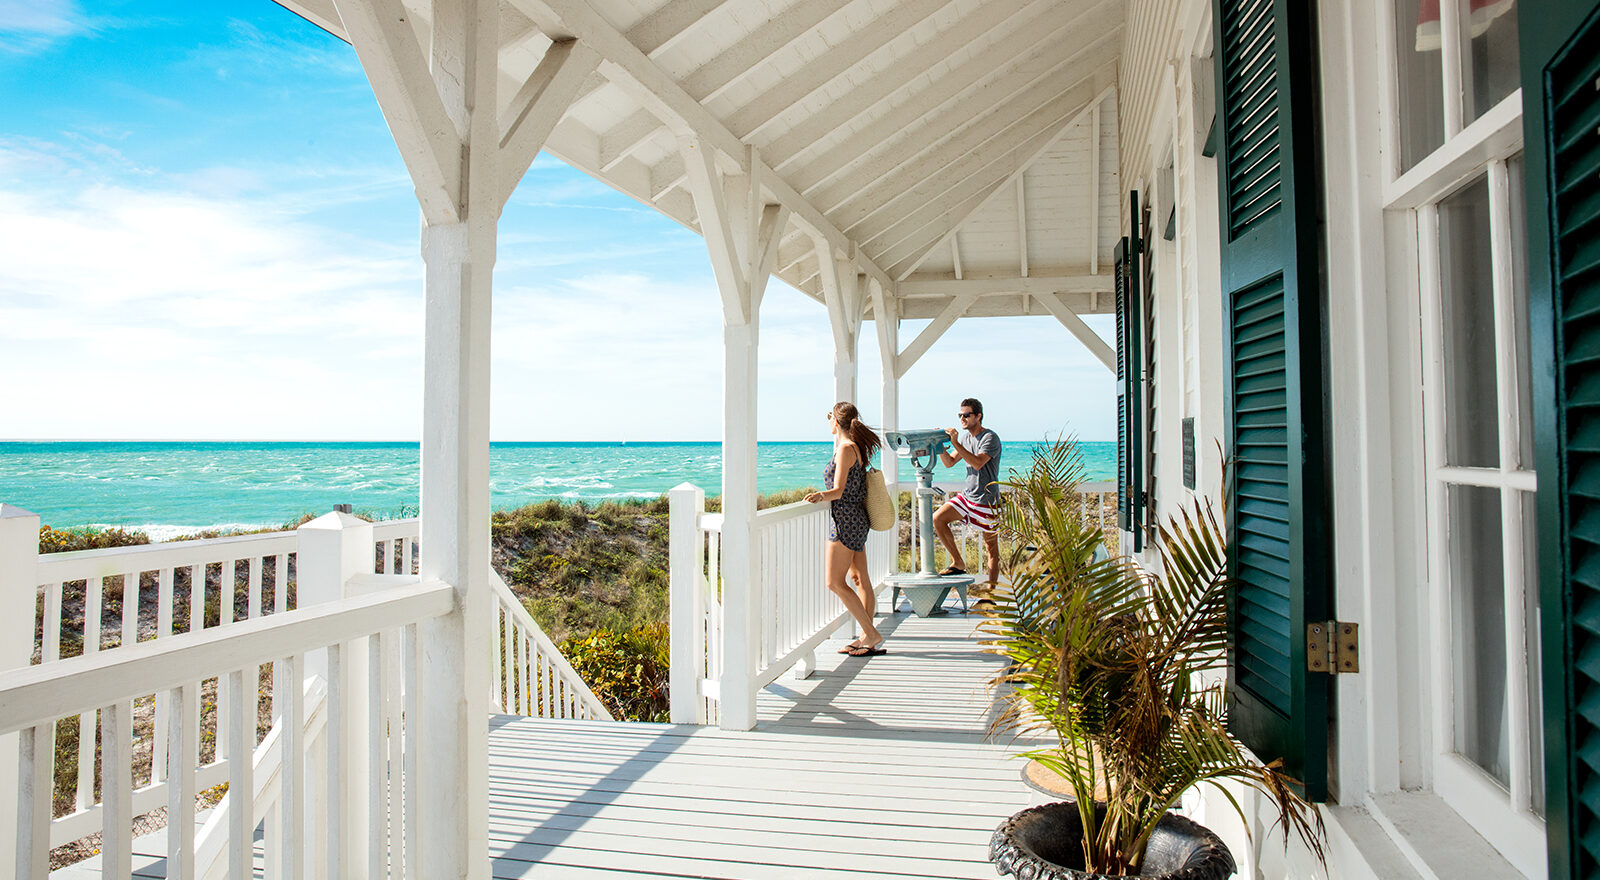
(627, 670)
(65, 540)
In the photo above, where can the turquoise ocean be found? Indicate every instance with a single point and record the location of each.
(174, 488)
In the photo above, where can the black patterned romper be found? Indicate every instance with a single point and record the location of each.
(849, 526)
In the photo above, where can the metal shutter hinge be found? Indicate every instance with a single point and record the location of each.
(1331, 647)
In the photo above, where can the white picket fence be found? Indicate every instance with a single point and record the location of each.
(229, 609)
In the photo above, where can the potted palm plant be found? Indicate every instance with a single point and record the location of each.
(1119, 670)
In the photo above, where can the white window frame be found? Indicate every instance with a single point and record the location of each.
(1504, 818)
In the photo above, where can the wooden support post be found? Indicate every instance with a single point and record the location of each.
(19, 586)
(687, 615)
(742, 236)
(888, 328)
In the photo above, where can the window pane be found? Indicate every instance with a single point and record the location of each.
(1420, 80)
(1519, 274)
(1466, 268)
(1477, 625)
(1530, 602)
(1491, 67)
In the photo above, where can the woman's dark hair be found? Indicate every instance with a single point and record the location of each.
(849, 420)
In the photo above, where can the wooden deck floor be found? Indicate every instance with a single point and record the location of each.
(872, 768)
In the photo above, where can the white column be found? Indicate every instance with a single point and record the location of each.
(687, 615)
(331, 550)
(459, 252)
(887, 325)
(741, 599)
(453, 784)
(19, 586)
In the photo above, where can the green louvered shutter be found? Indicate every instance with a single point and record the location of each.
(1561, 126)
(1277, 509)
(1130, 432)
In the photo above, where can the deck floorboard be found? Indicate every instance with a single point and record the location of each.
(882, 767)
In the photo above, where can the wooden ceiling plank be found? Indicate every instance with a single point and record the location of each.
(833, 63)
(876, 185)
(959, 162)
(966, 198)
(968, 91)
(787, 149)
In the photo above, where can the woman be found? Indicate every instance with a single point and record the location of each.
(847, 533)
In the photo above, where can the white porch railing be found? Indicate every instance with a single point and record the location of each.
(796, 610)
(182, 738)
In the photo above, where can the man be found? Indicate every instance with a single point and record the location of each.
(978, 504)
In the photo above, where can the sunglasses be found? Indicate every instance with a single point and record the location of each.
(966, 415)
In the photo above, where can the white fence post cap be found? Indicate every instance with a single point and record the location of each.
(334, 521)
(10, 511)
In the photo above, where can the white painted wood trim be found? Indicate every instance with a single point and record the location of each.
(538, 106)
(931, 333)
(93, 681)
(912, 288)
(1094, 189)
(395, 64)
(1074, 324)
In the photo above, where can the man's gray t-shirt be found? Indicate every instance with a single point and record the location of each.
(981, 485)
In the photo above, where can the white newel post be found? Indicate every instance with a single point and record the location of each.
(686, 639)
(331, 550)
(19, 587)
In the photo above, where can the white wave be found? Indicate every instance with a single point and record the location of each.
(168, 531)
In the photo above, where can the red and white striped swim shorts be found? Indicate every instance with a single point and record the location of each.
(974, 513)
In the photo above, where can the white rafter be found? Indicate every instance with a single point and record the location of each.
(1094, 190)
(820, 71)
(989, 16)
(912, 288)
(965, 200)
(953, 183)
(967, 91)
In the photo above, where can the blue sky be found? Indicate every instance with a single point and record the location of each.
(206, 232)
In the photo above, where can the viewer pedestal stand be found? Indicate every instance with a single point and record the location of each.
(926, 589)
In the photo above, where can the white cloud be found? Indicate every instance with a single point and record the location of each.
(30, 25)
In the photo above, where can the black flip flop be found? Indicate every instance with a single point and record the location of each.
(864, 651)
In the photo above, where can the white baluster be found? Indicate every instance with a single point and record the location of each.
(116, 790)
(93, 594)
(288, 703)
(164, 627)
(255, 588)
(241, 782)
(377, 765)
(36, 753)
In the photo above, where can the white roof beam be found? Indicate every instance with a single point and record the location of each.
(397, 67)
(711, 78)
(991, 306)
(1074, 324)
(969, 90)
(930, 334)
(947, 215)
(667, 25)
(955, 255)
(538, 106)
(914, 288)
(820, 71)
(1040, 127)
(632, 70)
(807, 134)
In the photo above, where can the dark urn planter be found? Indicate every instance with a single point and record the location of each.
(1043, 843)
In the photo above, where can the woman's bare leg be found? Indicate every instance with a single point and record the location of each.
(836, 559)
(864, 590)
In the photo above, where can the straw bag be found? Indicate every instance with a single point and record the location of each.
(880, 510)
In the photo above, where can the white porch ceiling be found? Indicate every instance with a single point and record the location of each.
(964, 141)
